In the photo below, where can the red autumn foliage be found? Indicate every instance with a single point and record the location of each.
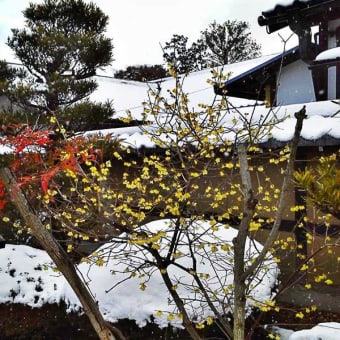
(29, 138)
(39, 158)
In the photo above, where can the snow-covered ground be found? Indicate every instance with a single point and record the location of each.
(322, 331)
(28, 276)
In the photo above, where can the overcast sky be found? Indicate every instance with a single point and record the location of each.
(139, 27)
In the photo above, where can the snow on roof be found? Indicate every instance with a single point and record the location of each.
(129, 95)
(321, 121)
(323, 118)
(332, 53)
(125, 94)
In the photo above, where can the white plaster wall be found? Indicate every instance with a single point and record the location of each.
(331, 83)
(295, 84)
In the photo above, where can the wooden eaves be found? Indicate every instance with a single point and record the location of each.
(313, 12)
(251, 84)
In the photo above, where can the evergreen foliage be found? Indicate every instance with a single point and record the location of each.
(73, 117)
(60, 48)
(219, 44)
(230, 42)
(183, 58)
(6, 75)
(322, 184)
(142, 73)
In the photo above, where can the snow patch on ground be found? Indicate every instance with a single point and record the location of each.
(28, 276)
(322, 331)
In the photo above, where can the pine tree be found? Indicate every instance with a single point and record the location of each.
(6, 75)
(60, 48)
(229, 42)
(219, 44)
(183, 58)
(142, 73)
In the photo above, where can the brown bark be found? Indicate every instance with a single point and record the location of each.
(220, 321)
(239, 246)
(59, 256)
(287, 178)
(180, 305)
(177, 299)
(241, 273)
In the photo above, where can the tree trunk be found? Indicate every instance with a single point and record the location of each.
(249, 204)
(241, 274)
(239, 313)
(287, 178)
(59, 256)
(180, 305)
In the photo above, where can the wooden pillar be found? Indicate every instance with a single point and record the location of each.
(320, 81)
(300, 199)
(337, 33)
